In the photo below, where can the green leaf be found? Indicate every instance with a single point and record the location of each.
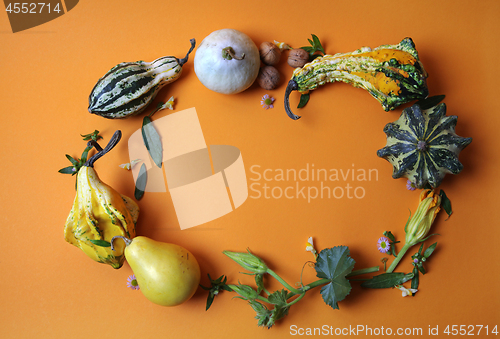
(67, 170)
(101, 243)
(152, 141)
(389, 235)
(317, 44)
(304, 98)
(334, 264)
(445, 203)
(216, 286)
(140, 185)
(314, 48)
(387, 280)
(71, 159)
(85, 154)
(259, 281)
(429, 250)
(415, 279)
(421, 248)
(91, 136)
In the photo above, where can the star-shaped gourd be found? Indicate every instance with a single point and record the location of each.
(422, 145)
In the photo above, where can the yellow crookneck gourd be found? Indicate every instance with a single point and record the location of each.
(99, 213)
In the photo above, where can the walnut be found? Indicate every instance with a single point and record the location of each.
(270, 54)
(298, 57)
(268, 77)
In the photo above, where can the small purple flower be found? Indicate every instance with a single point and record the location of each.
(267, 101)
(132, 282)
(383, 245)
(410, 186)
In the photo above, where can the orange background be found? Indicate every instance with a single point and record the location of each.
(49, 288)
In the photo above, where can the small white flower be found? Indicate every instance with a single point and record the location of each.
(129, 165)
(407, 292)
(170, 103)
(310, 247)
(281, 45)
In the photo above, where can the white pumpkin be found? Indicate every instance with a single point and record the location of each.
(227, 61)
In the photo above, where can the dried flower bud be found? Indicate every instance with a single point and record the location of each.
(268, 77)
(298, 57)
(270, 54)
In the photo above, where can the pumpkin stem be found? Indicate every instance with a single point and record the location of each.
(127, 241)
(228, 54)
(292, 86)
(100, 151)
(185, 59)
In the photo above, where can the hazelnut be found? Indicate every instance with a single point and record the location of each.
(270, 54)
(298, 57)
(268, 77)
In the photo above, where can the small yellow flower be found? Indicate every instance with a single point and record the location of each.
(282, 46)
(310, 247)
(420, 223)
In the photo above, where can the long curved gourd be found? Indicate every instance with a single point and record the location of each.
(422, 145)
(128, 88)
(392, 74)
(99, 213)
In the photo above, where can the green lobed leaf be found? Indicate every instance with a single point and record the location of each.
(140, 185)
(101, 243)
(152, 141)
(334, 264)
(387, 280)
(259, 281)
(279, 298)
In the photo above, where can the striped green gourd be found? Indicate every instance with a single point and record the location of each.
(392, 74)
(422, 145)
(128, 88)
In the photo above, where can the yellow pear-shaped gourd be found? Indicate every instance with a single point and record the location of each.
(167, 274)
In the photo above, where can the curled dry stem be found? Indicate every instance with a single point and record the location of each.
(185, 59)
(127, 241)
(100, 151)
